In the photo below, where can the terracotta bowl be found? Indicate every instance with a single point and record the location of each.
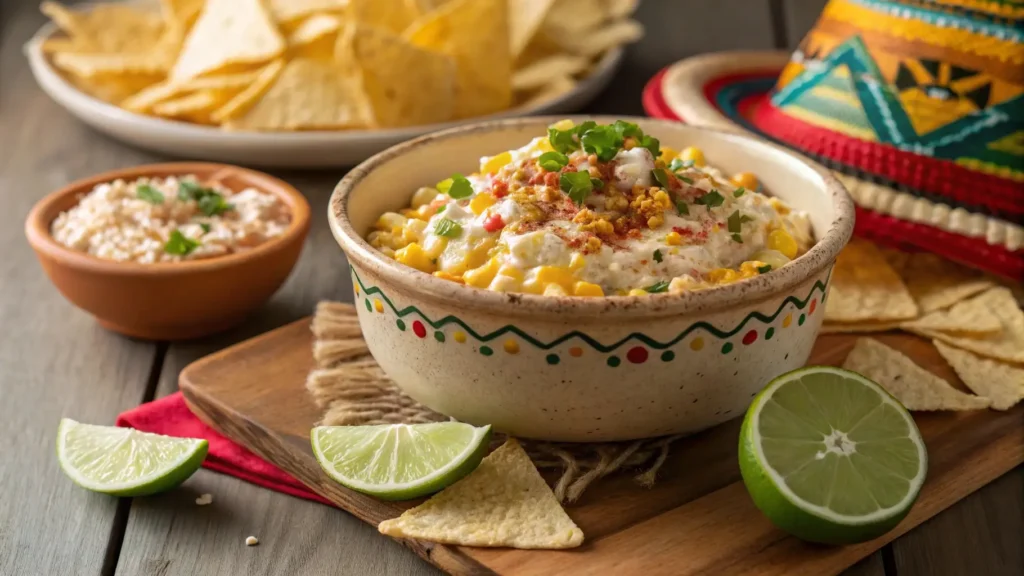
(170, 301)
(586, 369)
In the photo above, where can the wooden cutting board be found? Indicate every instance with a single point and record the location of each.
(697, 519)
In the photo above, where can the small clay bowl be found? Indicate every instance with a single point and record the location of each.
(173, 300)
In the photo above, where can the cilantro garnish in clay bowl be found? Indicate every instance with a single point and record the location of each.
(589, 279)
(170, 251)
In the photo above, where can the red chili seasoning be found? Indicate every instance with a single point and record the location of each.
(500, 189)
(494, 223)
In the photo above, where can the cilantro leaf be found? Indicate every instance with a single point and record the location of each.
(604, 141)
(661, 177)
(681, 208)
(448, 228)
(657, 287)
(179, 244)
(562, 140)
(711, 199)
(191, 190)
(734, 222)
(678, 164)
(149, 194)
(627, 129)
(764, 269)
(737, 238)
(205, 227)
(440, 208)
(685, 179)
(460, 187)
(213, 204)
(577, 185)
(583, 127)
(739, 192)
(652, 144)
(658, 257)
(553, 161)
(597, 183)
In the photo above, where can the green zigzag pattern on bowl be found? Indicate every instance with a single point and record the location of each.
(800, 305)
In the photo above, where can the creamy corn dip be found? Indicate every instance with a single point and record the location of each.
(594, 210)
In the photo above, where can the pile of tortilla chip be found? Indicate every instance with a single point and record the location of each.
(282, 65)
(974, 322)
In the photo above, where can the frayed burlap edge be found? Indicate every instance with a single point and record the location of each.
(351, 389)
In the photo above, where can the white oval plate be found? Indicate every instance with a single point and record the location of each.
(312, 149)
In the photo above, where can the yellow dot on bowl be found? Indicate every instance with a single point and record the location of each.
(460, 337)
(378, 305)
(787, 320)
(576, 351)
(355, 288)
(697, 343)
(511, 346)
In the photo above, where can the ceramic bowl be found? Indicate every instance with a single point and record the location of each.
(586, 369)
(170, 301)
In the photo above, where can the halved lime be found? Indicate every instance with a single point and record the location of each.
(829, 456)
(399, 461)
(125, 462)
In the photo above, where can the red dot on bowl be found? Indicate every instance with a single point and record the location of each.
(814, 304)
(749, 337)
(637, 355)
(418, 328)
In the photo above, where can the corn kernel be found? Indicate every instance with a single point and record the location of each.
(637, 292)
(511, 272)
(673, 239)
(414, 256)
(745, 179)
(577, 261)
(723, 276)
(446, 276)
(482, 276)
(479, 253)
(544, 145)
(749, 268)
(779, 206)
(433, 245)
(586, 289)
(503, 283)
(494, 163)
(389, 220)
(773, 258)
(692, 153)
(554, 290)
(782, 241)
(667, 154)
(423, 196)
(481, 202)
(563, 124)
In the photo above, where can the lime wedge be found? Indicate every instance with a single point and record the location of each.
(829, 456)
(399, 461)
(125, 462)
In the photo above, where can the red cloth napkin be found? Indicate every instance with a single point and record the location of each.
(171, 417)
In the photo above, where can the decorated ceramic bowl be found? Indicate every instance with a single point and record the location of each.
(582, 369)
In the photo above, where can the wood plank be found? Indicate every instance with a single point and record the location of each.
(54, 360)
(170, 535)
(798, 18)
(698, 509)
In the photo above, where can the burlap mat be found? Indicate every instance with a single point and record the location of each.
(351, 389)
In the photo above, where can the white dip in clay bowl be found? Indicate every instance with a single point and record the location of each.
(522, 351)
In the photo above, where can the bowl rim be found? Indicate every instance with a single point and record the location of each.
(45, 71)
(45, 211)
(738, 295)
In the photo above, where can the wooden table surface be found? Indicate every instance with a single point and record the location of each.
(55, 362)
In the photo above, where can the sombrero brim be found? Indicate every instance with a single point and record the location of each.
(729, 91)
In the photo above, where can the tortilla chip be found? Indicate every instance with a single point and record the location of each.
(312, 29)
(1002, 383)
(864, 287)
(599, 41)
(1007, 344)
(541, 72)
(181, 13)
(405, 85)
(307, 95)
(244, 99)
(196, 105)
(859, 327)
(525, 19)
(553, 89)
(144, 100)
(475, 33)
(107, 28)
(616, 9)
(115, 87)
(285, 11)
(936, 283)
(916, 388)
(89, 65)
(575, 18)
(970, 317)
(228, 32)
(504, 502)
(391, 15)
